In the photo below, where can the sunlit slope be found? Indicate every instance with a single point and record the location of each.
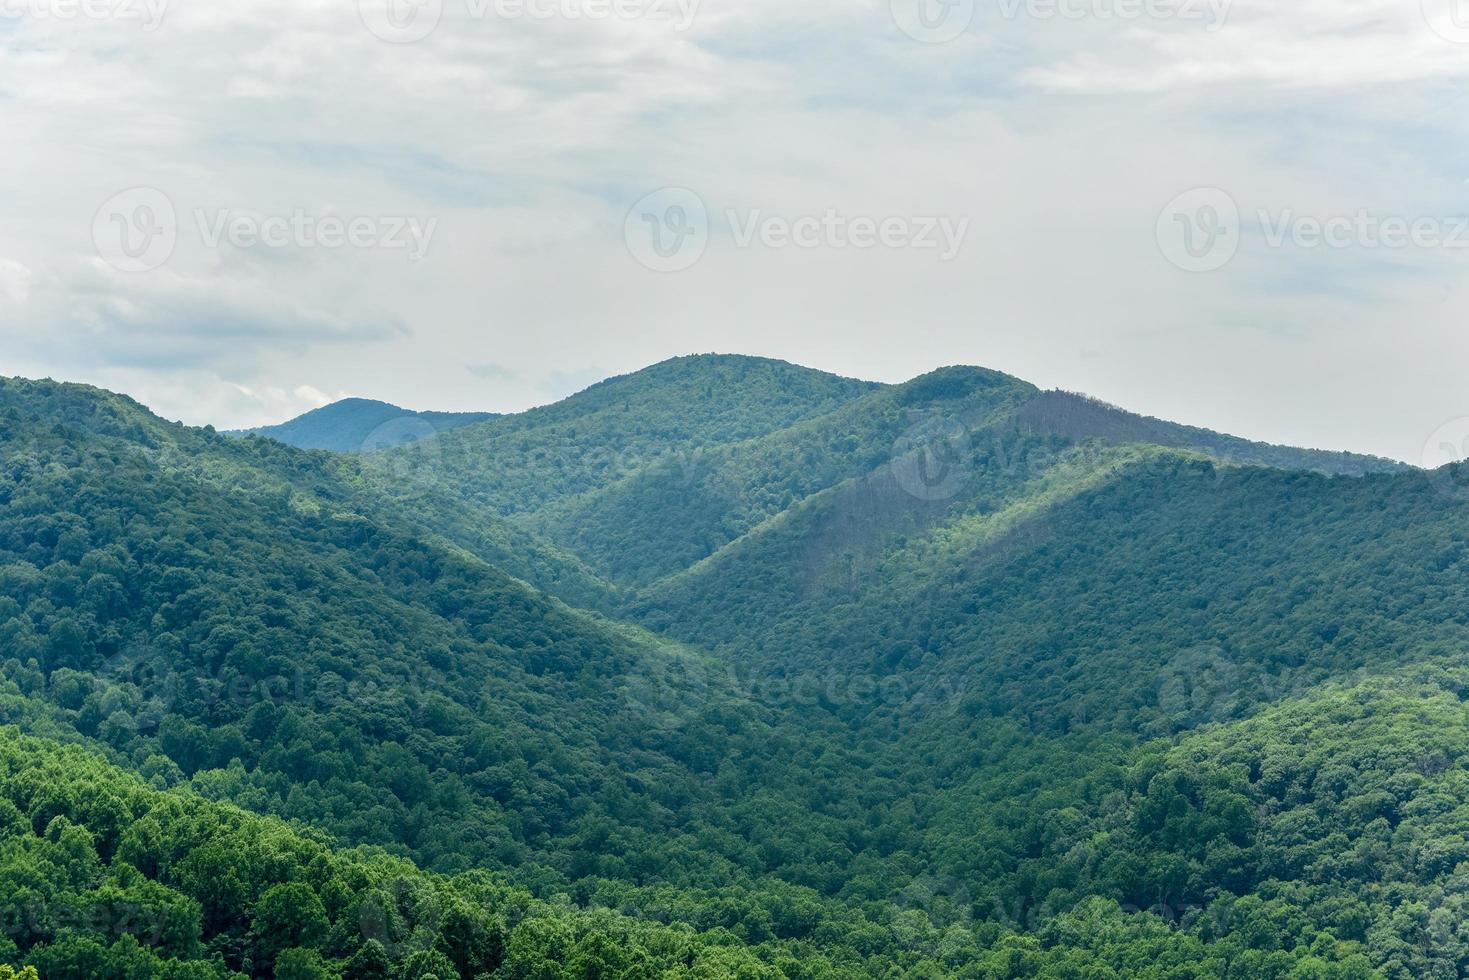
(231, 614)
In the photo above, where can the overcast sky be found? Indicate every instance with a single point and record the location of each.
(1249, 216)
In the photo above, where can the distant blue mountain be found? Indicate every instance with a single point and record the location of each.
(355, 424)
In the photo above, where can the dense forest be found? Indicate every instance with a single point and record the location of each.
(727, 668)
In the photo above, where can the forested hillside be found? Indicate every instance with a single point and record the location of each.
(728, 668)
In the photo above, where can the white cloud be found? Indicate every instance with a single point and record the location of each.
(15, 281)
(1307, 45)
(527, 141)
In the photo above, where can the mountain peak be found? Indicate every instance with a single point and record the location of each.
(724, 367)
(957, 382)
(352, 424)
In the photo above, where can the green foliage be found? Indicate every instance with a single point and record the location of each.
(1098, 706)
(194, 889)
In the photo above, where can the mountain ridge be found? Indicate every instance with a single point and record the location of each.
(1051, 408)
(902, 680)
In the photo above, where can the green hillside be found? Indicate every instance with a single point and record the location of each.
(105, 877)
(1083, 584)
(642, 477)
(480, 487)
(669, 414)
(729, 668)
(235, 623)
(667, 517)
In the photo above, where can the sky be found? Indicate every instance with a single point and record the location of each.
(1247, 215)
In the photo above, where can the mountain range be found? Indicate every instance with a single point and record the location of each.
(727, 667)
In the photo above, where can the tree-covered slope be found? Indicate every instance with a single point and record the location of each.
(1324, 838)
(667, 517)
(480, 487)
(102, 876)
(1078, 417)
(951, 678)
(1330, 826)
(642, 477)
(881, 532)
(218, 617)
(1113, 574)
(1059, 552)
(232, 617)
(667, 414)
